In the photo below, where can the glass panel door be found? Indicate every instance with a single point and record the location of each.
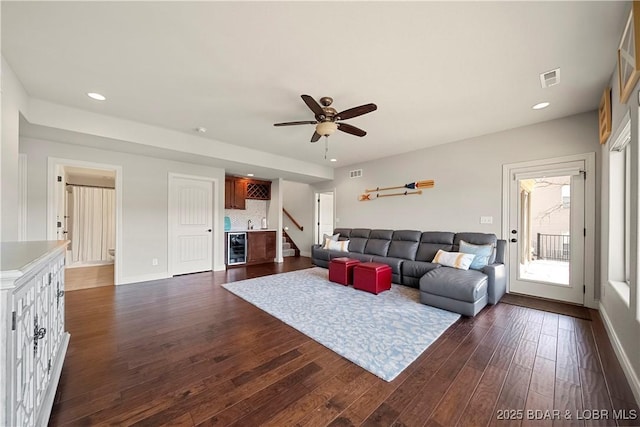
(547, 234)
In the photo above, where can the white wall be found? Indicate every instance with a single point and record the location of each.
(14, 100)
(298, 201)
(144, 199)
(622, 321)
(467, 174)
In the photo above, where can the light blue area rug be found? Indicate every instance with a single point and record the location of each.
(382, 333)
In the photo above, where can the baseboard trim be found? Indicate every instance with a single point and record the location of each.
(632, 377)
(143, 278)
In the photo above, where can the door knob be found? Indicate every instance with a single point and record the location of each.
(209, 230)
(514, 231)
(514, 240)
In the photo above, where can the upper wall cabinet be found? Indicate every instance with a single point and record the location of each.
(235, 193)
(237, 190)
(629, 54)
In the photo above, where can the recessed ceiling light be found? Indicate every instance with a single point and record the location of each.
(96, 96)
(249, 174)
(541, 105)
(333, 160)
(200, 129)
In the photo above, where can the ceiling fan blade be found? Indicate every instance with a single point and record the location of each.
(314, 106)
(316, 136)
(356, 111)
(307, 122)
(344, 127)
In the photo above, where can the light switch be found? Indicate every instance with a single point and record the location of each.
(486, 220)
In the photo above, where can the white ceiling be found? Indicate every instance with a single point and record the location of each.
(438, 71)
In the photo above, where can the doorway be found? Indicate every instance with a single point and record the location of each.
(84, 207)
(325, 217)
(546, 229)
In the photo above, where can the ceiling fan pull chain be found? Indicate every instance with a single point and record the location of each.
(326, 146)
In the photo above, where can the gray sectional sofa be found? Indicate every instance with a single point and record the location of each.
(410, 252)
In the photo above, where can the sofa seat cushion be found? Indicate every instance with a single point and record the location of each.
(317, 252)
(394, 263)
(460, 285)
(354, 255)
(417, 268)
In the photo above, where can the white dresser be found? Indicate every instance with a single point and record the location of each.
(32, 332)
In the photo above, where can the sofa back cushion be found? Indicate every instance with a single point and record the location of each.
(378, 243)
(477, 239)
(431, 241)
(404, 244)
(358, 239)
(343, 232)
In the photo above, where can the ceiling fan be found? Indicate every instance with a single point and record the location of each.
(328, 119)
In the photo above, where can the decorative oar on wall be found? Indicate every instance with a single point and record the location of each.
(429, 183)
(370, 196)
(412, 185)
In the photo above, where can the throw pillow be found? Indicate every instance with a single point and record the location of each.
(334, 237)
(482, 254)
(457, 260)
(340, 245)
(326, 243)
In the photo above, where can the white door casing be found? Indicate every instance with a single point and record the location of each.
(325, 213)
(191, 216)
(56, 200)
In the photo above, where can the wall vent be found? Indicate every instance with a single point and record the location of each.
(355, 173)
(550, 78)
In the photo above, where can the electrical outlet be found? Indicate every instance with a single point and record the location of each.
(486, 220)
(154, 261)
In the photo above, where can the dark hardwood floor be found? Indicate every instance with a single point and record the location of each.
(184, 351)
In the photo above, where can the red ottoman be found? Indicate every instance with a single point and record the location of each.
(341, 270)
(372, 277)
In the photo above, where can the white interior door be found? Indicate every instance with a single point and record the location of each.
(191, 205)
(325, 216)
(546, 232)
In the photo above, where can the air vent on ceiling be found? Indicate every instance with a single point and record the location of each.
(355, 173)
(550, 78)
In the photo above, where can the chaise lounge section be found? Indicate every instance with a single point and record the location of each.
(410, 253)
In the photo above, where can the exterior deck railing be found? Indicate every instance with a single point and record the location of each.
(553, 247)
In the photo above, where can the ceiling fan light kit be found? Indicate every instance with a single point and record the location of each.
(326, 128)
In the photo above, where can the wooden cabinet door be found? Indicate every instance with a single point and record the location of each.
(256, 246)
(261, 246)
(270, 245)
(235, 193)
(229, 190)
(240, 194)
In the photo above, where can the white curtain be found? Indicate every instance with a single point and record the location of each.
(93, 220)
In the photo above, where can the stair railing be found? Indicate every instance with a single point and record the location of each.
(301, 228)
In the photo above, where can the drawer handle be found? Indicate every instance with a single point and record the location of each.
(40, 333)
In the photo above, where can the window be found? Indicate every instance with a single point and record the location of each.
(566, 196)
(620, 210)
